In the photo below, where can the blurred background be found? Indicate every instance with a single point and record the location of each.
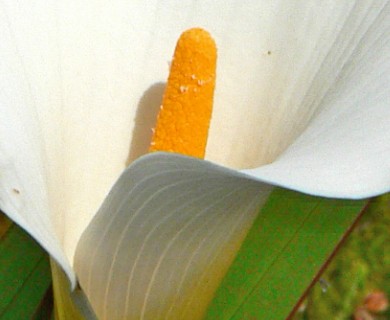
(355, 285)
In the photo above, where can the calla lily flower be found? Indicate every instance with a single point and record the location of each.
(302, 101)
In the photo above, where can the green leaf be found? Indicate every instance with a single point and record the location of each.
(286, 248)
(25, 275)
(288, 245)
(5, 223)
(65, 303)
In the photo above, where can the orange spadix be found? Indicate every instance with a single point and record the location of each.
(184, 119)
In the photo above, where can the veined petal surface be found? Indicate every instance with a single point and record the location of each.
(168, 230)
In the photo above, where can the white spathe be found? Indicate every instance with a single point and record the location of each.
(302, 101)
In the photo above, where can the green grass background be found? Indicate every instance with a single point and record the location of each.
(362, 265)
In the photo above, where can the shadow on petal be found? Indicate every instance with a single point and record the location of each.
(145, 121)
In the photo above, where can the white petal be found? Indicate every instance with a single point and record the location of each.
(23, 167)
(345, 151)
(265, 99)
(75, 74)
(129, 256)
